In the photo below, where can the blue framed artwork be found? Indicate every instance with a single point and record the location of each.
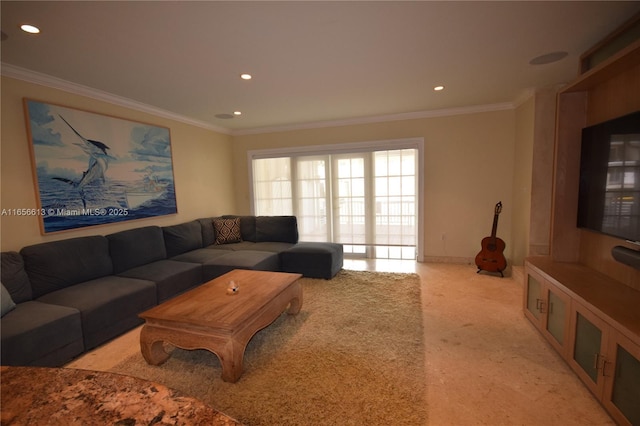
(90, 169)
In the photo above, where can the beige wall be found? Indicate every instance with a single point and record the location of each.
(542, 171)
(468, 168)
(525, 114)
(471, 161)
(201, 161)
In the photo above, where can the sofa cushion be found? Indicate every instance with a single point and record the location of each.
(59, 264)
(181, 238)
(108, 306)
(244, 259)
(282, 229)
(227, 230)
(171, 277)
(41, 334)
(136, 247)
(208, 233)
(247, 226)
(274, 247)
(242, 245)
(14, 277)
(201, 256)
(6, 302)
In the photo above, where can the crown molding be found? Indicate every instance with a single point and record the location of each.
(524, 96)
(529, 93)
(24, 74)
(380, 118)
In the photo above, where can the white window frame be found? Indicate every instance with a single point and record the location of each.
(367, 146)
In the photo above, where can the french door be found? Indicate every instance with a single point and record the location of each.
(366, 200)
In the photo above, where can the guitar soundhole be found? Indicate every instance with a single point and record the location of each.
(491, 247)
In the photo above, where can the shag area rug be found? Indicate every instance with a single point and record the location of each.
(354, 355)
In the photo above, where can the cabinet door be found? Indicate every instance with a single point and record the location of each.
(588, 347)
(547, 307)
(555, 324)
(622, 380)
(533, 297)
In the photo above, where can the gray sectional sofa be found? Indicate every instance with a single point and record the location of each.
(62, 298)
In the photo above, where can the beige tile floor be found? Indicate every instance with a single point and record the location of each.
(485, 363)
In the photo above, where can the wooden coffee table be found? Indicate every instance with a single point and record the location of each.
(207, 317)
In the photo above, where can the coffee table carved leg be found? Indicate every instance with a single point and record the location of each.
(231, 359)
(295, 304)
(152, 348)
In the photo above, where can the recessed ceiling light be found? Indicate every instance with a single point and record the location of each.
(548, 58)
(30, 29)
(245, 76)
(438, 88)
(237, 112)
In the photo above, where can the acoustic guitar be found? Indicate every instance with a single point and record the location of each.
(491, 257)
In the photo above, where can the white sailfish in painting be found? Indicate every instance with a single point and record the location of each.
(98, 163)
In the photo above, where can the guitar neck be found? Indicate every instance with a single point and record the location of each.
(494, 229)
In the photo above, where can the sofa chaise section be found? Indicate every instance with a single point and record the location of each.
(276, 234)
(313, 259)
(257, 244)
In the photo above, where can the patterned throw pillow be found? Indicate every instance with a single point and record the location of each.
(227, 230)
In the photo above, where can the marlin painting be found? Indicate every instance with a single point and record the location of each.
(98, 163)
(93, 169)
(90, 147)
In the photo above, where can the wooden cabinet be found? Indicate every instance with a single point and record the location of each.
(622, 379)
(608, 363)
(594, 324)
(585, 303)
(547, 307)
(588, 346)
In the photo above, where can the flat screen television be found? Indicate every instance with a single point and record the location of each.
(609, 195)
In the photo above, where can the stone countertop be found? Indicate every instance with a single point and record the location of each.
(65, 396)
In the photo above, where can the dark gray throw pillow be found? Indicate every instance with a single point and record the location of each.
(6, 303)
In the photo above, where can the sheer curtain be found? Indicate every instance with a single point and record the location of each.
(367, 200)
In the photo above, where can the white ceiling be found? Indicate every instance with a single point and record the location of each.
(311, 61)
